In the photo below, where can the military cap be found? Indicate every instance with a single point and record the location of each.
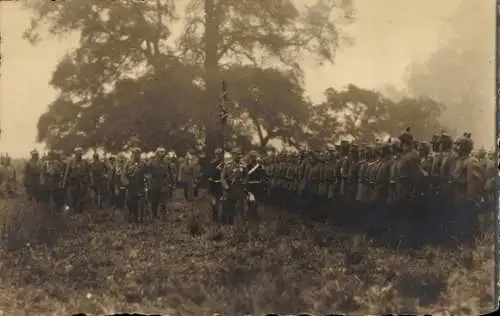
(34, 152)
(78, 150)
(160, 149)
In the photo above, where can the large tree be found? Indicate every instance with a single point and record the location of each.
(121, 38)
(461, 72)
(155, 110)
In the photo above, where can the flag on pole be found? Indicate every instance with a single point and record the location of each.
(223, 112)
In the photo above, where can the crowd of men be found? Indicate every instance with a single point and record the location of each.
(436, 187)
(442, 181)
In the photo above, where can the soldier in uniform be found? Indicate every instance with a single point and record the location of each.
(410, 174)
(302, 173)
(352, 178)
(98, 171)
(214, 182)
(468, 179)
(344, 165)
(255, 184)
(32, 171)
(9, 177)
(188, 176)
(174, 161)
(313, 179)
(382, 185)
(424, 183)
(448, 161)
(322, 200)
(435, 183)
(51, 180)
(77, 180)
(137, 187)
(234, 181)
(119, 183)
(110, 163)
(364, 190)
(162, 181)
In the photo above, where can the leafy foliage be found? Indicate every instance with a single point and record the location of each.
(366, 115)
(130, 78)
(122, 39)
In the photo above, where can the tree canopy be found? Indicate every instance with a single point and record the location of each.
(152, 70)
(123, 38)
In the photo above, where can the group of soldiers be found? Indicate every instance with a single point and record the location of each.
(136, 183)
(443, 181)
(440, 186)
(140, 183)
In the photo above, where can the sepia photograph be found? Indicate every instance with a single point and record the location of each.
(248, 157)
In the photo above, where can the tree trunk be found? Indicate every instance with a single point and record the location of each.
(213, 133)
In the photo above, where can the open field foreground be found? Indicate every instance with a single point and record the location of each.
(90, 263)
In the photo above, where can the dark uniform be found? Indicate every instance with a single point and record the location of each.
(214, 182)
(98, 171)
(468, 179)
(137, 187)
(52, 181)
(234, 180)
(77, 180)
(255, 184)
(32, 173)
(162, 181)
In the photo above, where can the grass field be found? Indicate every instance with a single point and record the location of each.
(57, 265)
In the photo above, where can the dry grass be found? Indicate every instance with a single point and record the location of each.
(89, 263)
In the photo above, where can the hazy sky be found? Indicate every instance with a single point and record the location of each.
(388, 35)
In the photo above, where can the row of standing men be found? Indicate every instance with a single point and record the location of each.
(136, 183)
(442, 181)
(441, 186)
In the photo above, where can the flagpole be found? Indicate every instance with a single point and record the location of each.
(223, 116)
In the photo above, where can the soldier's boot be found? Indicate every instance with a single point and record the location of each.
(163, 210)
(253, 211)
(155, 203)
(228, 210)
(98, 203)
(58, 200)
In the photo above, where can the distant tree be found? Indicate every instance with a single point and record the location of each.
(120, 38)
(461, 74)
(365, 115)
